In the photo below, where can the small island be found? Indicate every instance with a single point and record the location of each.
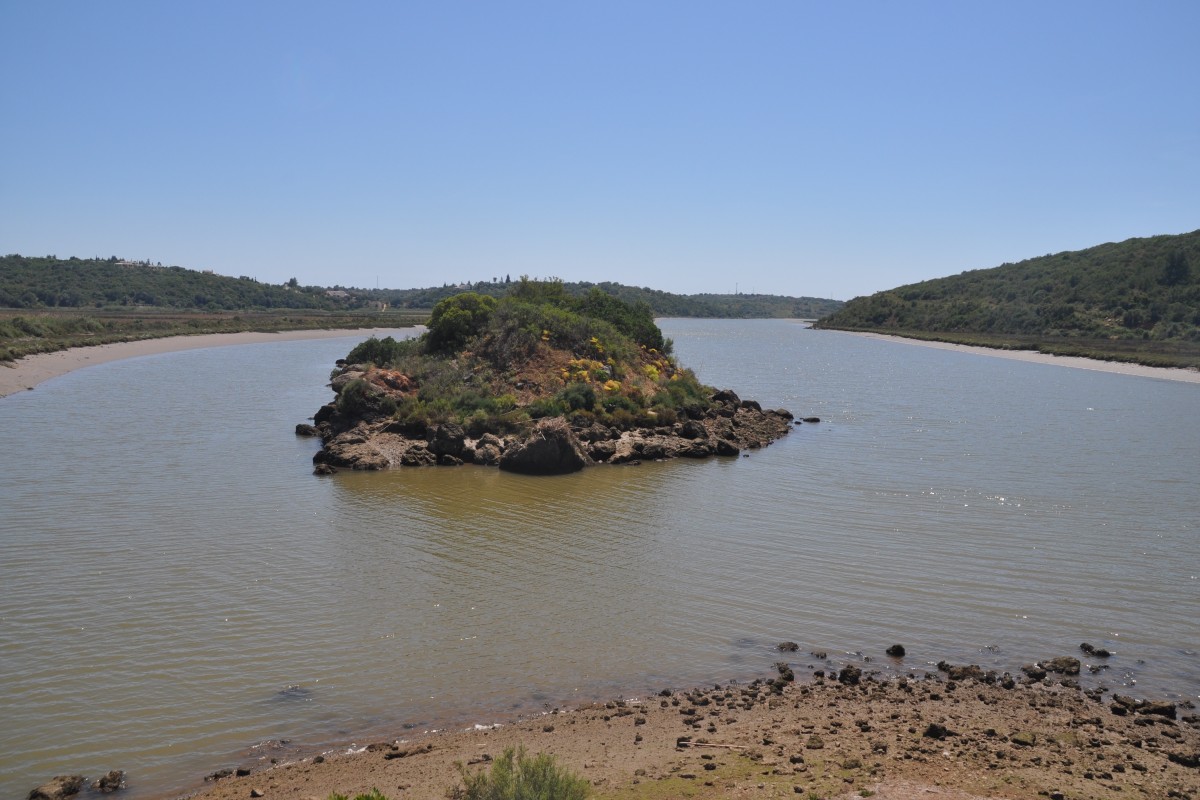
(536, 382)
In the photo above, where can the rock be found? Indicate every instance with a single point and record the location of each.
(1024, 738)
(960, 673)
(551, 449)
(1161, 708)
(1097, 652)
(1034, 671)
(727, 397)
(727, 448)
(447, 439)
(1066, 665)
(487, 455)
(812, 419)
(752, 405)
(896, 651)
(850, 675)
(256, 792)
(787, 647)
(304, 429)
(937, 731)
(324, 469)
(693, 429)
(58, 787)
(783, 413)
(109, 782)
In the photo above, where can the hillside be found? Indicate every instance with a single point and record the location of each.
(663, 304)
(39, 283)
(1137, 300)
(538, 381)
(44, 283)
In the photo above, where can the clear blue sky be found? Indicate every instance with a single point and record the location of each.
(805, 148)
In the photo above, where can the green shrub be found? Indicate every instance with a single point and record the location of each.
(374, 794)
(381, 352)
(458, 319)
(578, 397)
(517, 776)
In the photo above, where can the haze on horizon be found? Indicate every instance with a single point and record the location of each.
(796, 148)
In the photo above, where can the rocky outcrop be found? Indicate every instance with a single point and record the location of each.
(358, 432)
(58, 788)
(550, 449)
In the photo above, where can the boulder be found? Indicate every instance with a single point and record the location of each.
(725, 447)
(59, 787)
(304, 429)
(487, 455)
(727, 397)
(693, 429)
(1066, 665)
(896, 651)
(447, 439)
(109, 782)
(550, 449)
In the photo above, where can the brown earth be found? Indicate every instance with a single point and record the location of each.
(897, 739)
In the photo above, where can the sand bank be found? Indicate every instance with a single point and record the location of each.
(28, 372)
(897, 739)
(1034, 357)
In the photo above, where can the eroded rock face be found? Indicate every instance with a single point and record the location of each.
(58, 788)
(360, 435)
(551, 449)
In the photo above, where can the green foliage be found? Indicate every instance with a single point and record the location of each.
(578, 397)
(1136, 291)
(51, 282)
(382, 352)
(374, 794)
(517, 776)
(458, 319)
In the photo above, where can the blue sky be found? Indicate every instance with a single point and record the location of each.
(830, 149)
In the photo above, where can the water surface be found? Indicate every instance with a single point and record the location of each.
(178, 587)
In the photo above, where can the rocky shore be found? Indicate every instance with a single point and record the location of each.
(958, 733)
(366, 438)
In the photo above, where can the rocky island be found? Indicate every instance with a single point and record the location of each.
(538, 382)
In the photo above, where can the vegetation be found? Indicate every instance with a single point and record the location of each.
(494, 365)
(663, 304)
(1137, 300)
(517, 776)
(50, 282)
(25, 333)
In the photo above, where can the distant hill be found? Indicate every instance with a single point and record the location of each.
(49, 282)
(664, 304)
(1140, 294)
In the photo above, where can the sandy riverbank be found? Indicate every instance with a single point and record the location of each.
(898, 739)
(1034, 357)
(28, 372)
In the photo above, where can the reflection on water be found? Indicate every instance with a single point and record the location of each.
(178, 586)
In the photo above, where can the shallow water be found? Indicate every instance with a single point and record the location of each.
(179, 587)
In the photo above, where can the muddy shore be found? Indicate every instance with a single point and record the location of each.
(958, 733)
(28, 372)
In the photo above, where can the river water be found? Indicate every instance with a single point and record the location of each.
(180, 593)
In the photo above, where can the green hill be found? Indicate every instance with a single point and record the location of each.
(49, 282)
(40, 283)
(1137, 300)
(663, 304)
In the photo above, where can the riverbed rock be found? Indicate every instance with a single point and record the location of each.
(109, 782)
(1066, 665)
(551, 449)
(896, 651)
(58, 787)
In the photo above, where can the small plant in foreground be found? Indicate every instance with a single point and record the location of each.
(517, 776)
(374, 794)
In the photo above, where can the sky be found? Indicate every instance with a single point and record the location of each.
(827, 149)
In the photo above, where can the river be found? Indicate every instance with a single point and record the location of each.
(180, 593)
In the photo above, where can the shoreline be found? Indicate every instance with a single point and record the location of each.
(28, 372)
(1179, 374)
(958, 734)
